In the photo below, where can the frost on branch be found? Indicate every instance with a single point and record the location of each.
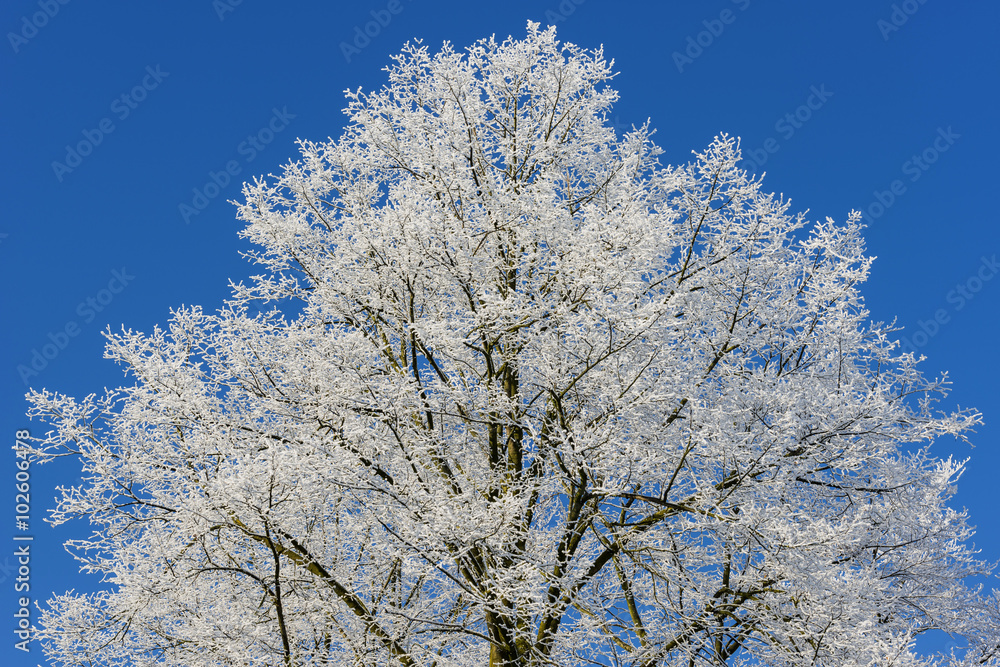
(509, 392)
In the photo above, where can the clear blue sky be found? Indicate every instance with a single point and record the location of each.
(890, 108)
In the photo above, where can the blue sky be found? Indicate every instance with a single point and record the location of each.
(128, 126)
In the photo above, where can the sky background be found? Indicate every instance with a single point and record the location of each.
(116, 114)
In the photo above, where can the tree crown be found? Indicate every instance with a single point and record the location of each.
(527, 397)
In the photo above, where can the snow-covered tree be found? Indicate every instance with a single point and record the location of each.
(510, 392)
